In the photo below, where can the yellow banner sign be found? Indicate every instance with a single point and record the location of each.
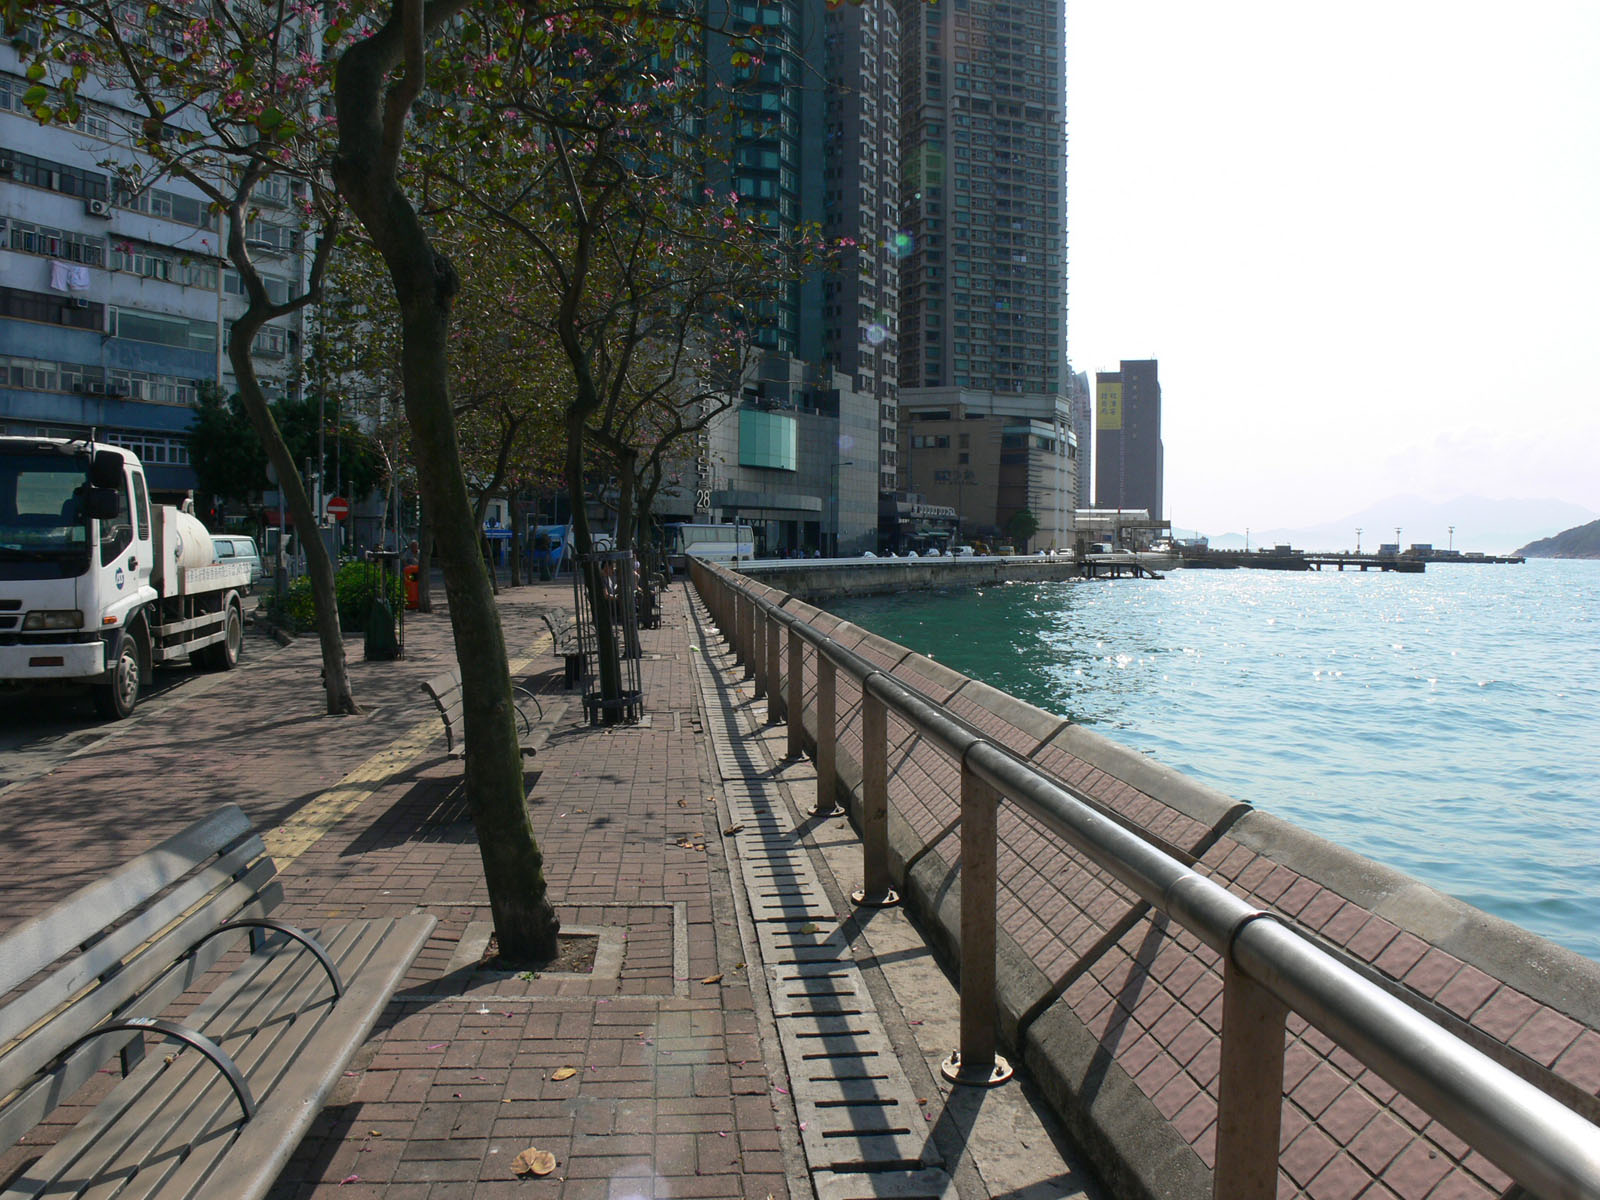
(1110, 414)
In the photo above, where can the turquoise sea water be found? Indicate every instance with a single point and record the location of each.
(1447, 724)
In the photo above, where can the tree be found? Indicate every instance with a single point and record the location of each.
(224, 99)
(1021, 526)
(379, 75)
(652, 279)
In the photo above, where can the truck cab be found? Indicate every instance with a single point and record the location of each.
(85, 593)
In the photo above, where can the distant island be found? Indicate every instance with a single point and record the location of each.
(1582, 541)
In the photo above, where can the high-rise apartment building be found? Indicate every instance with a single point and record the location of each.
(810, 442)
(1129, 459)
(983, 237)
(983, 144)
(115, 304)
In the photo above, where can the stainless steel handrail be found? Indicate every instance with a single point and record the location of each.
(1269, 969)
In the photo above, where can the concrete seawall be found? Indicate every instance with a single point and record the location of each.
(1117, 1014)
(870, 576)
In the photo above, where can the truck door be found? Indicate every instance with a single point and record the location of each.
(124, 551)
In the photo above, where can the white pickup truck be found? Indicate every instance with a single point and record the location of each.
(97, 584)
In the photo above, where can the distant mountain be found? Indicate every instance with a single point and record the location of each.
(1580, 542)
(1492, 526)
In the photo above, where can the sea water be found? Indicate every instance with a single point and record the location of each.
(1446, 724)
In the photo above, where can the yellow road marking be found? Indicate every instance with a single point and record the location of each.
(306, 827)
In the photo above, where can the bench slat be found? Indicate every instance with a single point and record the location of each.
(181, 1123)
(126, 1134)
(124, 946)
(36, 1099)
(37, 942)
(180, 1120)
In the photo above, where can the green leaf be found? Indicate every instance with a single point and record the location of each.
(34, 96)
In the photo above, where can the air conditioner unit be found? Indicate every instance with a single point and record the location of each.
(8, 166)
(80, 302)
(261, 245)
(97, 208)
(97, 389)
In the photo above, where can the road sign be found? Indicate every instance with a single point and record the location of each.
(337, 508)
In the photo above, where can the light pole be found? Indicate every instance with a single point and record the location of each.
(1397, 539)
(1452, 545)
(1358, 539)
(1247, 539)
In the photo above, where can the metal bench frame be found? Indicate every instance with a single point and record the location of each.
(444, 689)
(256, 1056)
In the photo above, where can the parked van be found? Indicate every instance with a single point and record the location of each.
(231, 549)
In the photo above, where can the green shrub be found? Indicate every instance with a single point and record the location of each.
(353, 589)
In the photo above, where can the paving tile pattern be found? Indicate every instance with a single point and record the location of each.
(671, 1092)
(1152, 994)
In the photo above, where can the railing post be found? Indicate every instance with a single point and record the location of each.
(827, 740)
(1250, 1099)
(747, 634)
(795, 706)
(758, 647)
(875, 890)
(733, 630)
(774, 649)
(976, 1061)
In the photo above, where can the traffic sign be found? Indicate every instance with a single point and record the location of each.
(337, 508)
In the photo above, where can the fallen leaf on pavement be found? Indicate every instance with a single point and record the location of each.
(534, 1161)
(564, 1073)
(732, 829)
(712, 979)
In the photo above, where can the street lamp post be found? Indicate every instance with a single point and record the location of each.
(1397, 539)
(1358, 539)
(1452, 545)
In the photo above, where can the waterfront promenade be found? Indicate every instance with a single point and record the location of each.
(679, 1085)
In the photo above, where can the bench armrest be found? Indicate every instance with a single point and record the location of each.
(290, 931)
(179, 1033)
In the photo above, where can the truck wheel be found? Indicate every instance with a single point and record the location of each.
(224, 655)
(116, 699)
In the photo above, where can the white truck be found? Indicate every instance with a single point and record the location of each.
(98, 585)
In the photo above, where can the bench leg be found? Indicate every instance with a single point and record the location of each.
(574, 669)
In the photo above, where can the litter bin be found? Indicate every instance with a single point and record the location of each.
(411, 571)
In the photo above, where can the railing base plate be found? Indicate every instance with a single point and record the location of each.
(995, 1075)
(888, 898)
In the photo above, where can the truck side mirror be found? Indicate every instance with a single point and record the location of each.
(105, 469)
(104, 503)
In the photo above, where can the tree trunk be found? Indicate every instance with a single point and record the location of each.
(325, 604)
(371, 112)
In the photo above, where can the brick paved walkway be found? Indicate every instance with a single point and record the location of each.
(674, 1091)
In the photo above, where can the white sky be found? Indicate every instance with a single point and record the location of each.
(1363, 241)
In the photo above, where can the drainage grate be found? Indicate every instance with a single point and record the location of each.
(863, 1131)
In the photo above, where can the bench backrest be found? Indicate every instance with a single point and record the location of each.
(121, 939)
(445, 692)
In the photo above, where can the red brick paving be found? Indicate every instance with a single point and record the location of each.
(671, 1095)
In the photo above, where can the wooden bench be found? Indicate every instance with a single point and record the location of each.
(444, 690)
(220, 1112)
(565, 642)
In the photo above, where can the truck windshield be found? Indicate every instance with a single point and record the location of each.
(42, 519)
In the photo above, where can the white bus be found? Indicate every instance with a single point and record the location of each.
(720, 543)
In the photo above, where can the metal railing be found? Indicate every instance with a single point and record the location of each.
(1269, 970)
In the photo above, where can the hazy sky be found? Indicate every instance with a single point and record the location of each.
(1362, 240)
